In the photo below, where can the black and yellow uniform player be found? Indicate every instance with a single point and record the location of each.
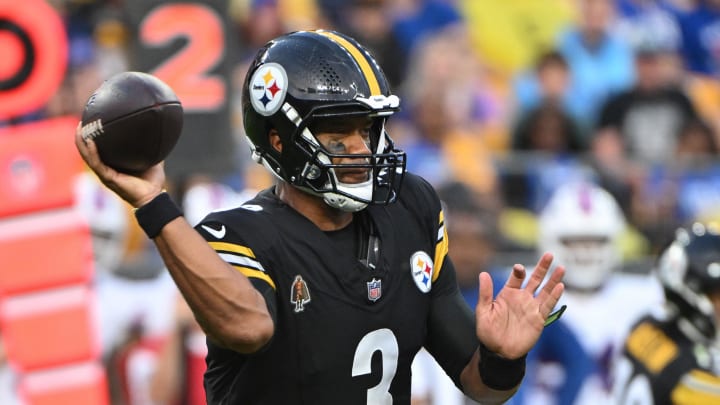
(674, 357)
(323, 288)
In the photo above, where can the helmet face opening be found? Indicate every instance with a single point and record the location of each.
(297, 84)
(385, 164)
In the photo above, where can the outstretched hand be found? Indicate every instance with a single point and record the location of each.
(510, 324)
(135, 189)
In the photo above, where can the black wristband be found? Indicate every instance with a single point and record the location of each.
(153, 216)
(498, 372)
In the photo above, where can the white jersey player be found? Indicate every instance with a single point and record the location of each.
(582, 224)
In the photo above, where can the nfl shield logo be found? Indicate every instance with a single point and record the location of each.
(374, 288)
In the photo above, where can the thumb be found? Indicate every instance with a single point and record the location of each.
(485, 293)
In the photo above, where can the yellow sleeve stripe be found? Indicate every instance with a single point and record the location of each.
(652, 347)
(705, 378)
(233, 248)
(248, 272)
(441, 249)
(697, 387)
(359, 58)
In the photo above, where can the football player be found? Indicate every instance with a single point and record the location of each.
(674, 357)
(323, 288)
(583, 224)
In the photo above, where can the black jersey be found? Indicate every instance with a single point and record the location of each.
(345, 332)
(661, 365)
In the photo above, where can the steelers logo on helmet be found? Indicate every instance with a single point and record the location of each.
(268, 88)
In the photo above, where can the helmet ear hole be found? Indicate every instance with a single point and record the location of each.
(274, 140)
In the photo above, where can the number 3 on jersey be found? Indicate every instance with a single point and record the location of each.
(384, 341)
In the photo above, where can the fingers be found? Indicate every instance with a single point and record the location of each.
(88, 151)
(87, 148)
(538, 275)
(80, 142)
(517, 276)
(549, 304)
(551, 292)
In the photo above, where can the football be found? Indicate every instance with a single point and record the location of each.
(135, 119)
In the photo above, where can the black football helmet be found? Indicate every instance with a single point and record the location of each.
(305, 76)
(688, 269)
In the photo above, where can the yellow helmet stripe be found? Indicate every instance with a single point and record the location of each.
(359, 58)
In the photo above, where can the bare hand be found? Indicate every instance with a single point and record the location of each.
(136, 190)
(511, 324)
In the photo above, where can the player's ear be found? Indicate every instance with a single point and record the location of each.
(274, 139)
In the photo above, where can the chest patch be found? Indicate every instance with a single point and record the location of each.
(374, 289)
(421, 267)
(299, 294)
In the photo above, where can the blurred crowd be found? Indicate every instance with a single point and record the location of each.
(503, 104)
(510, 99)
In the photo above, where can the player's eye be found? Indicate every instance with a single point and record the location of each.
(336, 146)
(366, 137)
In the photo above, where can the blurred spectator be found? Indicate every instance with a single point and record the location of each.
(639, 128)
(644, 121)
(700, 39)
(134, 293)
(704, 91)
(697, 143)
(257, 22)
(112, 37)
(178, 375)
(683, 190)
(700, 23)
(369, 21)
(583, 224)
(472, 226)
(201, 195)
(414, 20)
(672, 356)
(447, 108)
(550, 154)
(547, 129)
(600, 62)
(511, 34)
(548, 83)
(651, 22)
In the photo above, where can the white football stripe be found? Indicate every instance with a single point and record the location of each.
(241, 261)
(441, 233)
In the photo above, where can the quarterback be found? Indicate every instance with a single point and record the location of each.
(322, 288)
